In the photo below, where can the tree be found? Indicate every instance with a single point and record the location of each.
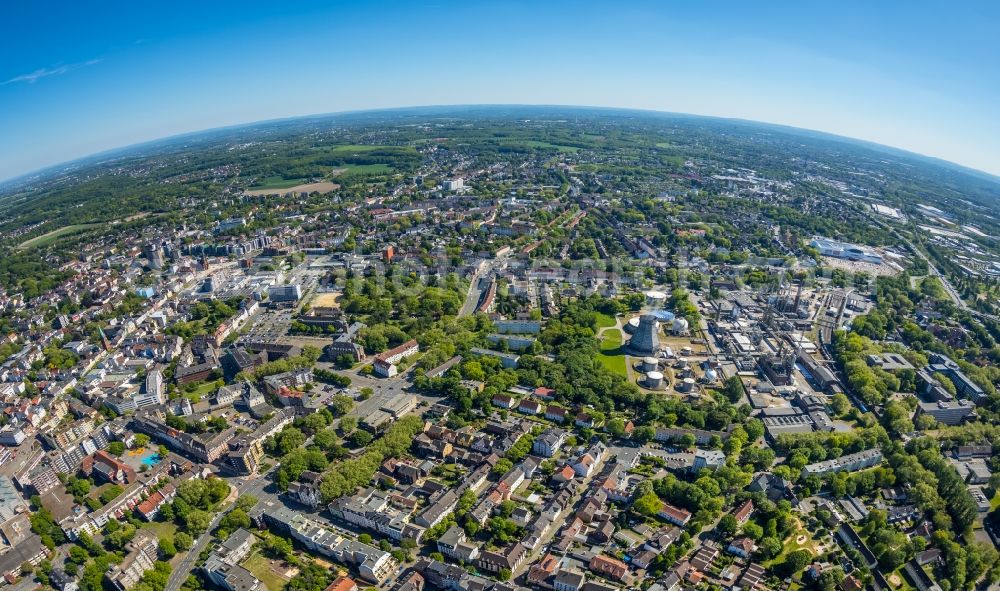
(727, 525)
(348, 424)
(769, 547)
(644, 434)
(246, 502)
(795, 562)
(141, 440)
(503, 466)
(733, 389)
(753, 531)
(360, 438)
(116, 448)
(182, 541)
(754, 429)
(616, 427)
(167, 548)
(197, 521)
(235, 519)
(840, 404)
(647, 504)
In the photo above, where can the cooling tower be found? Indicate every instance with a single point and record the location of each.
(645, 340)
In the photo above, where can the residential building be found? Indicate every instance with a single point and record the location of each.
(140, 558)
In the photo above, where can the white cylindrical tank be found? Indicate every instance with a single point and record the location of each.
(649, 364)
(682, 363)
(654, 380)
(655, 298)
(686, 385)
(680, 326)
(686, 350)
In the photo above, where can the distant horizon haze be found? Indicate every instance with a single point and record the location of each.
(77, 79)
(118, 151)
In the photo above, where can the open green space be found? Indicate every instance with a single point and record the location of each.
(610, 354)
(364, 169)
(538, 144)
(277, 182)
(202, 390)
(261, 568)
(792, 543)
(605, 320)
(50, 237)
(162, 529)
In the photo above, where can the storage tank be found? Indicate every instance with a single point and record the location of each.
(685, 385)
(680, 326)
(654, 380)
(711, 375)
(655, 298)
(649, 364)
(682, 363)
(686, 350)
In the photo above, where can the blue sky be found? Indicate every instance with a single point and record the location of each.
(84, 77)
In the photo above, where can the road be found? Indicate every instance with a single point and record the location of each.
(186, 566)
(244, 486)
(572, 507)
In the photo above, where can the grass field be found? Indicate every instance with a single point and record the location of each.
(604, 320)
(277, 182)
(365, 169)
(611, 355)
(162, 529)
(203, 390)
(262, 568)
(664, 145)
(50, 237)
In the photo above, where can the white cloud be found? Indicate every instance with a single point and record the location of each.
(40, 73)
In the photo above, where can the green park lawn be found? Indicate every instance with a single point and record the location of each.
(605, 320)
(610, 354)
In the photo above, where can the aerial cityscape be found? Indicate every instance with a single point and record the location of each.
(499, 348)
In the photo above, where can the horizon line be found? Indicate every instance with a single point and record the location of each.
(831, 135)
